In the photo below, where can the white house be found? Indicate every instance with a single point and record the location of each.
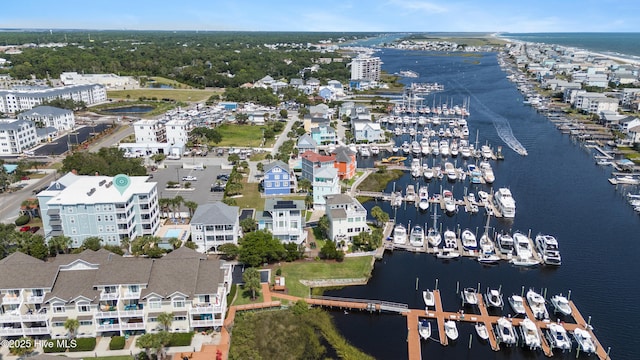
(284, 219)
(215, 224)
(178, 132)
(325, 182)
(347, 217)
(17, 136)
(367, 131)
(49, 116)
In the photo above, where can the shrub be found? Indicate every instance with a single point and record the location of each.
(22, 220)
(84, 344)
(180, 339)
(52, 347)
(117, 343)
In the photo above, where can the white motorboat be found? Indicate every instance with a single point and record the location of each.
(481, 330)
(537, 305)
(469, 241)
(451, 329)
(410, 193)
(517, 304)
(450, 240)
(427, 173)
(524, 262)
(450, 171)
(424, 329)
(423, 195)
(465, 152)
(417, 236)
(505, 243)
(399, 234)
(451, 254)
(396, 199)
(584, 340)
(394, 149)
(449, 202)
(530, 334)
(416, 150)
(488, 259)
(435, 148)
(486, 152)
(522, 246)
(364, 151)
(561, 304)
(375, 150)
(454, 150)
(505, 203)
(469, 296)
(444, 148)
(424, 146)
(487, 172)
(547, 246)
(406, 148)
(486, 245)
(558, 338)
(429, 298)
(493, 298)
(505, 332)
(625, 180)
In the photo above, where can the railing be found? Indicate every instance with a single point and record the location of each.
(206, 323)
(34, 317)
(41, 330)
(35, 299)
(8, 318)
(132, 326)
(106, 314)
(11, 331)
(109, 296)
(131, 313)
(131, 295)
(11, 299)
(205, 309)
(108, 327)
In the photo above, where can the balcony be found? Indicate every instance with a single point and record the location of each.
(206, 323)
(11, 299)
(108, 327)
(39, 330)
(205, 309)
(34, 317)
(35, 299)
(132, 326)
(109, 295)
(130, 295)
(11, 317)
(131, 313)
(8, 331)
(106, 314)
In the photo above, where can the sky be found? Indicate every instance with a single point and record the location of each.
(327, 15)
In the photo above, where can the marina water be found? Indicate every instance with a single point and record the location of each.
(559, 190)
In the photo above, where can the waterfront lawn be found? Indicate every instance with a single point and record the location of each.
(349, 268)
(183, 95)
(244, 297)
(378, 181)
(242, 135)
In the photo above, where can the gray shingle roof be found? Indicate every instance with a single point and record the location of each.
(277, 163)
(343, 154)
(40, 111)
(217, 213)
(71, 284)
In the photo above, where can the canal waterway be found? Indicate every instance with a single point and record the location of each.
(559, 190)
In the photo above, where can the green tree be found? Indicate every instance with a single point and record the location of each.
(191, 245)
(260, 247)
(380, 215)
(330, 251)
(241, 118)
(248, 225)
(304, 184)
(294, 252)
(323, 226)
(229, 251)
(107, 161)
(260, 167)
(92, 243)
(59, 245)
(192, 206)
(165, 319)
(251, 278)
(233, 158)
(284, 113)
(22, 347)
(71, 325)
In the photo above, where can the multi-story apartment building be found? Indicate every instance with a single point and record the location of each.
(365, 67)
(12, 101)
(178, 132)
(149, 131)
(49, 116)
(16, 136)
(213, 225)
(347, 217)
(84, 206)
(284, 219)
(111, 295)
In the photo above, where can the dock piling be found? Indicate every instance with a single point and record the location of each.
(522, 293)
(470, 340)
(436, 285)
(457, 287)
(416, 283)
(569, 295)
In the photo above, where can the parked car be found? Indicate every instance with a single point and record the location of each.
(189, 178)
(224, 177)
(25, 228)
(220, 152)
(34, 229)
(25, 178)
(217, 188)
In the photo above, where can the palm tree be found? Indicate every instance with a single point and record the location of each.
(165, 319)
(192, 206)
(251, 278)
(176, 203)
(175, 243)
(59, 244)
(125, 244)
(72, 326)
(165, 204)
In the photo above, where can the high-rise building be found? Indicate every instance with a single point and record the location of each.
(365, 67)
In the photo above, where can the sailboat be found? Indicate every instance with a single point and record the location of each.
(487, 249)
(433, 236)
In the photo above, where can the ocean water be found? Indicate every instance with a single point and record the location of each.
(620, 44)
(558, 190)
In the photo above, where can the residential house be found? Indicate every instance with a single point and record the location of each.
(277, 179)
(284, 219)
(627, 123)
(215, 224)
(367, 131)
(324, 135)
(311, 121)
(633, 134)
(49, 116)
(345, 162)
(109, 294)
(347, 217)
(325, 182)
(17, 136)
(306, 143)
(312, 161)
(91, 206)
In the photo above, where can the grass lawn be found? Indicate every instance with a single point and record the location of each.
(242, 135)
(244, 297)
(121, 357)
(357, 267)
(250, 197)
(184, 95)
(377, 181)
(164, 81)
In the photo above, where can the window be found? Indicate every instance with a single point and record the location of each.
(178, 302)
(85, 323)
(179, 318)
(57, 324)
(154, 304)
(84, 307)
(58, 308)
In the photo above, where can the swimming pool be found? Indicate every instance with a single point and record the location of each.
(173, 233)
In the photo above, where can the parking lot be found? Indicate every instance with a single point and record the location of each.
(200, 190)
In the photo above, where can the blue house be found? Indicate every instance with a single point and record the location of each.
(306, 142)
(277, 179)
(324, 135)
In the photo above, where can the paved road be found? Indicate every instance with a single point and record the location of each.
(293, 117)
(114, 138)
(11, 201)
(61, 144)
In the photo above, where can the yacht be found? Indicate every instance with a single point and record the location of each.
(433, 235)
(465, 151)
(505, 243)
(558, 338)
(410, 193)
(493, 298)
(396, 199)
(435, 148)
(450, 170)
(454, 149)
(487, 172)
(444, 148)
(469, 296)
(399, 234)
(417, 236)
(517, 304)
(394, 149)
(481, 330)
(488, 259)
(584, 340)
(530, 334)
(423, 195)
(486, 152)
(536, 303)
(424, 329)
(364, 151)
(469, 241)
(561, 304)
(449, 202)
(547, 246)
(522, 246)
(450, 240)
(451, 329)
(428, 297)
(416, 150)
(505, 332)
(505, 202)
(416, 167)
(424, 145)
(406, 148)
(427, 173)
(375, 150)
(625, 180)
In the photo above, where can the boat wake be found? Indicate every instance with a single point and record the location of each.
(500, 123)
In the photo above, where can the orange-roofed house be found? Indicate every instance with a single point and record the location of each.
(345, 162)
